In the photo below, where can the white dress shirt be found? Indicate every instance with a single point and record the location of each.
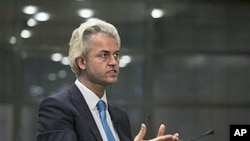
(92, 100)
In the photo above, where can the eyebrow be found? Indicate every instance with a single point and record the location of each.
(106, 51)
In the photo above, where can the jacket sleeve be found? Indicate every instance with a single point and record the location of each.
(63, 135)
(55, 121)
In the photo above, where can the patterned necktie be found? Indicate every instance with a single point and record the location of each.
(101, 106)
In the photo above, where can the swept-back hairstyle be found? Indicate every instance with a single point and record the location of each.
(80, 43)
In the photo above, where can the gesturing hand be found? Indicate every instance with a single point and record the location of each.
(160, 136)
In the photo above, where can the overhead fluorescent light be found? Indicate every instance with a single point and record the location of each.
(31, 22)
(42, 16)
(85, 13)
(56, 57)
(157, 13)
(25, 33)
(30, 9)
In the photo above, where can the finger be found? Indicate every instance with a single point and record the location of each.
(176, 134)
(176, 137)
(161, 130)
(141, 133)
(165, 138)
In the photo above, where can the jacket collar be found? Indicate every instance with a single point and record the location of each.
(82, 107)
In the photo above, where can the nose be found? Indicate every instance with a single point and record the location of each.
(113, 60)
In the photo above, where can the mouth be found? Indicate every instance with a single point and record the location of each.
(112, 72)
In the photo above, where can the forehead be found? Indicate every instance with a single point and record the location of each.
(101, 41)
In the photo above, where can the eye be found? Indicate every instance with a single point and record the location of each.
(116, 55)
(104, 55)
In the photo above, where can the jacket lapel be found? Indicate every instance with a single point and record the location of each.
(81, 105)
(116, 119)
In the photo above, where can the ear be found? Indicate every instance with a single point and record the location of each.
(81, 63)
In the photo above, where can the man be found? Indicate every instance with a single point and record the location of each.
(75, 114)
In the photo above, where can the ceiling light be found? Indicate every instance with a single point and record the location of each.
(56, 57)
(62, 74)
(65, 61)
(12, 40)
(30, 9)
(36, 90)
(42, 16)
(52, 76)
(25, 33)
(85, 13)
(31, 22)
(124, 60)
(157, 13)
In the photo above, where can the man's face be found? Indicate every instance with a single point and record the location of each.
(102, 61)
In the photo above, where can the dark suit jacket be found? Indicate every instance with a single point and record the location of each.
(65, 116)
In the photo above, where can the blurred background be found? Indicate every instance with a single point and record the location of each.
(184, 63)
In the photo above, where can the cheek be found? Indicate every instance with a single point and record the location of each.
(95, 67)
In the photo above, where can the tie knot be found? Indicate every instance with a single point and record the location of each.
(101, 105)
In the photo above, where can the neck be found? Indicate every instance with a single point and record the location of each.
(95, 88)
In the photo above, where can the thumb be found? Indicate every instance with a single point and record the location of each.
(141, 133)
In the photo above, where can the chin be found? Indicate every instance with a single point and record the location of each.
(112, 81)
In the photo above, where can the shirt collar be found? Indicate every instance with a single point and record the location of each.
(90, 97)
